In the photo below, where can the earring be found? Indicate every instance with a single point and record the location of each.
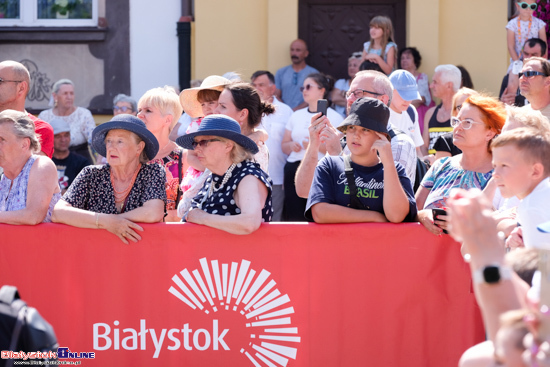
(55, 103)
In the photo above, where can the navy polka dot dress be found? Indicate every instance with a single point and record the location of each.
(222, 202)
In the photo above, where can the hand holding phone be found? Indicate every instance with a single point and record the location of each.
(322, 106)
(436, 213)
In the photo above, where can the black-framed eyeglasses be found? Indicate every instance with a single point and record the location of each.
(202, 143)
(123, 108)
(308, 87)
(525, 5)
(359, 93)
(530, 74)
(9, 81)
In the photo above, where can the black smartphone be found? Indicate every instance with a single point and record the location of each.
(438, 212)
(322, 106)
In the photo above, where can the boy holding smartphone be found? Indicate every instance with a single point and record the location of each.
(367, 185)
(521, 162)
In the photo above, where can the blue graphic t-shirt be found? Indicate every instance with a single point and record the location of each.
(330, 185)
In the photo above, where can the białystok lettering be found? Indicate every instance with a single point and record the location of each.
(104, 340)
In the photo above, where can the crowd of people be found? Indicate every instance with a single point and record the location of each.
(231, 155)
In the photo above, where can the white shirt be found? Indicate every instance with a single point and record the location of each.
(404, 152)
(403, 122)
(501, 204)
(275, 124)
(532, 211)
(298, 125)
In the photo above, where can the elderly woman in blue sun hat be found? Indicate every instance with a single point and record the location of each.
(122, 192)
(236, 196)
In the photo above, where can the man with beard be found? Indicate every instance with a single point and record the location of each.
(290, 78)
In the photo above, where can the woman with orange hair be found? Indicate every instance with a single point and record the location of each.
(479, 120)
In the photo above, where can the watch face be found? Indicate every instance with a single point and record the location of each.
(491, 274)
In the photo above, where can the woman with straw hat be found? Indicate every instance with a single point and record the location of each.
(236, 196)
(125, 190)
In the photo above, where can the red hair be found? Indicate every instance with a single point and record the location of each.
(492, 111)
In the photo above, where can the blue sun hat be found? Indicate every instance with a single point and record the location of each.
(129, 123)
(222, 126)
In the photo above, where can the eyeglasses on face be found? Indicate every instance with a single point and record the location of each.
(525, 5)
(308, 87)
(9, 81)
(123, 108)
(202, 143)
(466, 123)
(359, 93)
(530, 74)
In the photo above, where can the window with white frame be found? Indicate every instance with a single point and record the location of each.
(51, 13)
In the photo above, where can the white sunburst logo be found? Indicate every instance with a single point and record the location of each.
(266, 311)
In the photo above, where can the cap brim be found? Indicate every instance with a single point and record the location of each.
(409, 95)
(186, 141)
(354, 120)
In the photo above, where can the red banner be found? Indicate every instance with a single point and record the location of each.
(286, 295)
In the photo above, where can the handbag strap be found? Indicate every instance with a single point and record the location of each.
(355, 203)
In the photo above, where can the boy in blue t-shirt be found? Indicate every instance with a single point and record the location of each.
(383, 190)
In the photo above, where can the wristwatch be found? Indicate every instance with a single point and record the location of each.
(492, 274)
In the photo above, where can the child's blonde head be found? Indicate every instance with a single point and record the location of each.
(534, 145)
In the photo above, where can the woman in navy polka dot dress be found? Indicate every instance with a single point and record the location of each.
(236, 197)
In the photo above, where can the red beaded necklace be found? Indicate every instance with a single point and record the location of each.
(120, 196)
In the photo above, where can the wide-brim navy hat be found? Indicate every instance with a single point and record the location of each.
(369, 113)
(129, 123)
(222, 126)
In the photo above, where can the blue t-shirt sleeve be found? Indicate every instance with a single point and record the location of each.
(407, 187)
(322, 187)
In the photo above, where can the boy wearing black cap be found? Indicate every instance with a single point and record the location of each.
(380, 190)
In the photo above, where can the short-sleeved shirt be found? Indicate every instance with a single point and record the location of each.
(533, 210)
(447, 174)
(298, 125)
(289, 82)
(403, 122)
(92, 190)
(330, 185)
(222, 201)
(45, 135)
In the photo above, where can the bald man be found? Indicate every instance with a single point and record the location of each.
(14, 87)
(290, 78)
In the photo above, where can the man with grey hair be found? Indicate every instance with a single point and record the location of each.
(445, 83)
(367, 83)
(14, 86)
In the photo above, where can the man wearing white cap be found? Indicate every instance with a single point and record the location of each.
(68, 164)
(403, 115)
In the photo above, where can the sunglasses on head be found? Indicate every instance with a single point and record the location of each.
(525, 5)
(530, 74)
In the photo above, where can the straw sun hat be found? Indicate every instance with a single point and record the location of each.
(188, 97)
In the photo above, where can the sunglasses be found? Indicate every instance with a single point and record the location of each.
(123, 108)
(308, 87)
(524, 5)
(466, 124)
(9, 81)
(202, 143)
(530, 74)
